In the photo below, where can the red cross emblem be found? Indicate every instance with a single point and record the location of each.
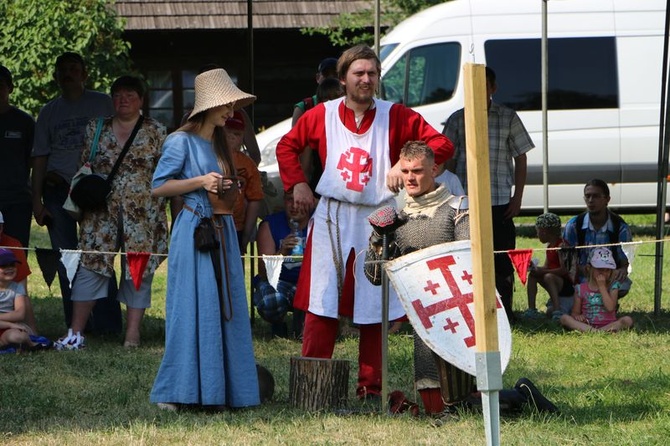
(355, 166)
(456, 299)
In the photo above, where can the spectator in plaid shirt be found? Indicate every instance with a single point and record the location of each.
(275, 236)
(508, 143)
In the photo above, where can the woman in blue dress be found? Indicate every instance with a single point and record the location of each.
(209, 358)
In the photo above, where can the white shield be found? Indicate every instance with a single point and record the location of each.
(435, 287)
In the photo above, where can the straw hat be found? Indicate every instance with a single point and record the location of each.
(214, 88)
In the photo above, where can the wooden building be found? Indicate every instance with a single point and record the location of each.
(171, 39)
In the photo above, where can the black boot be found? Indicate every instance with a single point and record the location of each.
(534, 397)
(511, 400)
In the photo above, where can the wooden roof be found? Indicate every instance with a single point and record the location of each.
(147, 15)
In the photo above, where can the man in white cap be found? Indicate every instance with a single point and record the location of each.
(358, 139)
(327, 69)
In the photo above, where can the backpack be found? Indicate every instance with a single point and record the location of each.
(309, 102)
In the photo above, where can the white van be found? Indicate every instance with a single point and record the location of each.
(605, 60)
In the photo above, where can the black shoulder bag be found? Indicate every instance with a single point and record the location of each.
(91, 192)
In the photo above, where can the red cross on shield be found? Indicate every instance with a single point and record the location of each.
(434, 286)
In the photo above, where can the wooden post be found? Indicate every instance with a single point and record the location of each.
(489, 374)
(318, 384)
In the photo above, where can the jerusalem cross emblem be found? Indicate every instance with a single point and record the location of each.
(355, 166)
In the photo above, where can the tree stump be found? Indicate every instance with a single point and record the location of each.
(318, 384)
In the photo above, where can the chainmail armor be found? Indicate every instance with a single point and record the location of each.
(421, 231)
(433, 219)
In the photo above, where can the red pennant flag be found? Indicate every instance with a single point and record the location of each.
(521, 259)
(137, 263)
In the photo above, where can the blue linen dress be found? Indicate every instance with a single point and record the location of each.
(204, 362)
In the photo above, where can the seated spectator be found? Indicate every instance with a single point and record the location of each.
(248, 205)
(594, 308)
(275, 237)
(13, 330)
(598, 226)
(22, 271)
(552, 275)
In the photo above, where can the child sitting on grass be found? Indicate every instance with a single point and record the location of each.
(552, 276)
(13, 331)
(595, 302)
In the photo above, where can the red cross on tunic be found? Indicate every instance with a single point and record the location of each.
(355, 166)
(457, 299)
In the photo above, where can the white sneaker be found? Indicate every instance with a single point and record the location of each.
(73, 341)
(170, 407)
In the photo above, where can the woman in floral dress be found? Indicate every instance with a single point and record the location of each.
(132, 221)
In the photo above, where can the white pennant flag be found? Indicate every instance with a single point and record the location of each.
(273, 268)
(629, 250)
(70, 258)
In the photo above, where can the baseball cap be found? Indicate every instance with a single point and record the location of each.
(329, 63)
(70, 56)
(602, 258)
(6, 75)
(548, 220)
(7, 257)
(236, 122)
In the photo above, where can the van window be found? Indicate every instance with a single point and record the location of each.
(582, 73)
(385, 50)
(424, 75)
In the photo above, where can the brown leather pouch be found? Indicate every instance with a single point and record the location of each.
(204, 236)
(224, 201)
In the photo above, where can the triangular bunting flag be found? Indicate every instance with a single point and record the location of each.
(70, 258)
(137, 263)
(273, 268)
(47, 259)
(521, 259)
(629, 250)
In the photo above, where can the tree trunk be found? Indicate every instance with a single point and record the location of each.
(318, 384)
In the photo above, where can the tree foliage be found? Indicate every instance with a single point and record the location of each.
(34, 33)
(352, 28)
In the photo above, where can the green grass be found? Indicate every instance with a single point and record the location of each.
(611, 389)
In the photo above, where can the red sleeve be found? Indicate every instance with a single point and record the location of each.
(309, 131)
(408, 125)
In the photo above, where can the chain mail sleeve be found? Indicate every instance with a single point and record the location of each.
(461, 217)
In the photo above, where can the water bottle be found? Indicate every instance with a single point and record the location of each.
(299, 248)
